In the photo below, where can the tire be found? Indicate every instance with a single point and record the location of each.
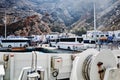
(20, 45)
(25, 46)
(58, 47)
(9, 46)
(69, 48)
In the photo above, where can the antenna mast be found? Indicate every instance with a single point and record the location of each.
(5, 22)
(94, 20)
(94, 17)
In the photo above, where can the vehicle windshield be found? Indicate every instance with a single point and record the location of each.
(92, 42)
(86, 41)
(79, 40)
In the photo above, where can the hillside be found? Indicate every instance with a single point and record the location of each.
(108, 19)
(53, 15)
(34, 24)
(69, 11)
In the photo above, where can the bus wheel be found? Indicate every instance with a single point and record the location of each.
(9, 46)
(20, 45)
(69, 48)
(25, 46)
(58, 47)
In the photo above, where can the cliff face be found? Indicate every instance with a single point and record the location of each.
(34, 24)
(108, 19)
(27, 26)
(69, 11)
(26, 17)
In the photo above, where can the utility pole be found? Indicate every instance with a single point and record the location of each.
(95, 20)
(5, 22)
(95, 31)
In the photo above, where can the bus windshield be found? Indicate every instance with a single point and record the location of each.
(79, 40)
(92, 42)
(86, 41)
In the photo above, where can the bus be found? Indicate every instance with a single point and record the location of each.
(53, 42)
(71, 43)
(15, 42)
(89, 43)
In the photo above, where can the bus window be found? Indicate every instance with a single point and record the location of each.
(97, 35)
(57, 40)
(86, 41)
(102, 36)
(92, 42)
(79, 40)
(67, 40)
(51, 36)
(107, 35)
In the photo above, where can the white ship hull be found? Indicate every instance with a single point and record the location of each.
(59, 65)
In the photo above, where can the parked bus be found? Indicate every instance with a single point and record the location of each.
(53, 42)
(72, 43)
(89, 43)
(15, 42)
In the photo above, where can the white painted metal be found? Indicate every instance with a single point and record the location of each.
(23, 74)
(95, 19)
(112, 74)
(116, 53)
(78, 64)
(108, 59)
(12, 66)
(7, 74)
(64, 70)
(2, 72)
(20, 60)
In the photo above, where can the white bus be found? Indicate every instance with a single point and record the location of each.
(53, 42)
(89, 43)
(15, 42)
(72, 43)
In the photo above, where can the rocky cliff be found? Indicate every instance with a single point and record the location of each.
(34, 24)
(106, 20)
(26, 17)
